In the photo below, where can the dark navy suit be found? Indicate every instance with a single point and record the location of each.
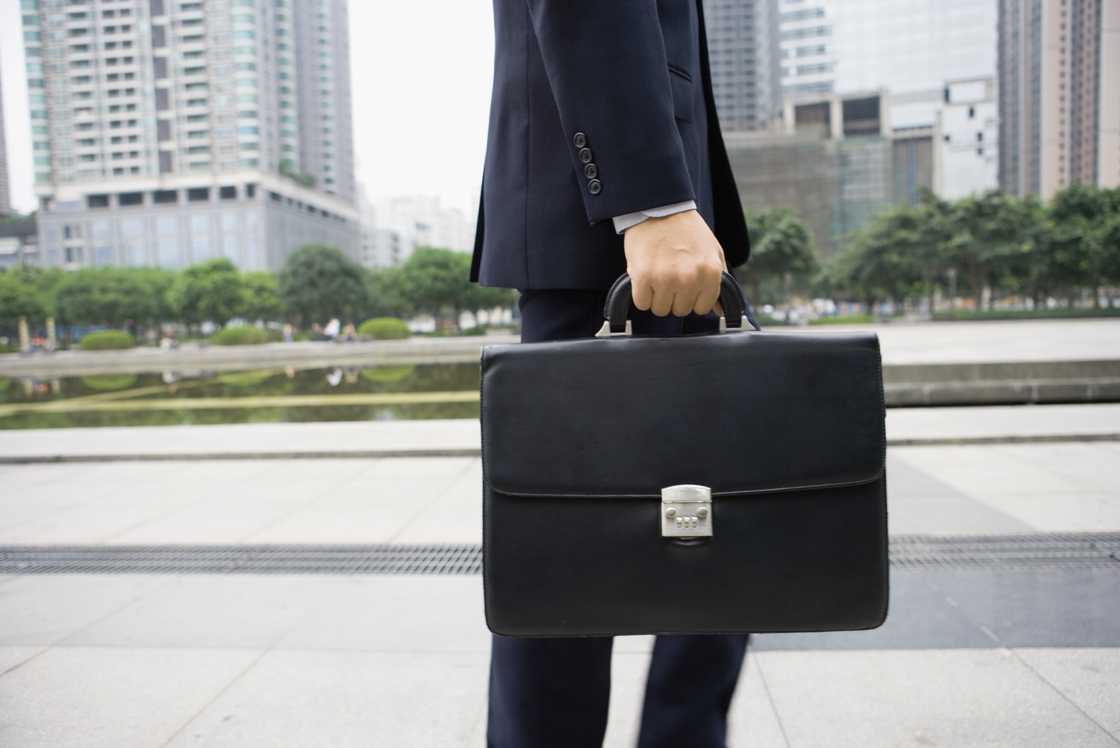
(600, 108)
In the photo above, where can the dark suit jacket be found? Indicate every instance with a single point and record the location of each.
(599, 108)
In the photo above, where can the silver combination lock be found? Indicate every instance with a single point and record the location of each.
(686, 511)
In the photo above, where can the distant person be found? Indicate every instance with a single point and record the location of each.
(605, 155)
(331, 330)
(288, 333)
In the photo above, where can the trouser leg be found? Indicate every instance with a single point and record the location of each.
(689, 689)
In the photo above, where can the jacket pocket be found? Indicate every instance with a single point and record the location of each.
(680, 82)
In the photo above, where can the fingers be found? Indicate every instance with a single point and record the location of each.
(641, 291)
(707, 298)
(662, 300)
(685, 300)
(679, 293)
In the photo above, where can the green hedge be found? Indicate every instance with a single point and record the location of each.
(844, 319)
(107, 340)
(1002, 314)
(384, 328)
(240, 335)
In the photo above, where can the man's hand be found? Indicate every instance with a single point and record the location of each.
(674, 264)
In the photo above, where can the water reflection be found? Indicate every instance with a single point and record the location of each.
(253, 395)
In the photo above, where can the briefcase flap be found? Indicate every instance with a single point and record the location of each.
(741, 413)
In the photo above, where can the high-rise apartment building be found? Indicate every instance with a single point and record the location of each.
(808, 63)
(743, 52)
(165, 132)
(901, 46)
(5, 186)
(1059, 74)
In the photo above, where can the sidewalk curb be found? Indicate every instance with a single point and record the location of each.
(377, 454)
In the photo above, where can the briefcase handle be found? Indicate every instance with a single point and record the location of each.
(736, 308)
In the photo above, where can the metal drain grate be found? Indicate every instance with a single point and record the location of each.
(462, 558)
(1007, 551)
(1034, 551)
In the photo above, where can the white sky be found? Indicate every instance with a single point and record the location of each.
(420, 76)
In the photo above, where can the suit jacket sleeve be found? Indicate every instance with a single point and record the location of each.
(606, 65)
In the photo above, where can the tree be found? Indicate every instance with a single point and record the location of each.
(18, 299)
(157, 282)
(208, 291)
(437, 281)
(386, 294)
(112, 296)
(992, 237)
(782, 252)
(934, 229)
(319, 282)
(486, 297)
(1078, 236)
(260, 296)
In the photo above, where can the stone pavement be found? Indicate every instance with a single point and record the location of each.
(460, 437)
(1016, 655)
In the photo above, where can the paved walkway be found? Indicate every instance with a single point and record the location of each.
(460, 437)
(993, 656)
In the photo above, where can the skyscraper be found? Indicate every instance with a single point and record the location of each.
(1059, 74)
(743, 51)
(5, 189)
(165, 132)
(808, 64)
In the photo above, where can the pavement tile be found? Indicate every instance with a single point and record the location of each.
(1089, 678)
(205, 611)
(100, 518)
(43, 608)
(454, 517)
(1080, 464)
(966, 697)
(628, 682)
(346, 698)
(13, 656)
(239, 501)
(390, 614)
(919, 502)
(752, 720)
(919, 616)
(369, 509)
(94, 697)
(1061, 511)
(1036, 607)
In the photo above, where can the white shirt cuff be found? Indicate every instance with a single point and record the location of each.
(621, 223)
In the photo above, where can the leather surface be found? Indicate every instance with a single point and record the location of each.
(579, 437)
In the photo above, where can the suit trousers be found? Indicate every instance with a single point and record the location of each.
(547, 692)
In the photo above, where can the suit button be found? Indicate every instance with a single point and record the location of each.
(590, 171)
(585, 155)
(579, 139)
(594, 186)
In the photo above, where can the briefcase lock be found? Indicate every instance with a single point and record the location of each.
(686, 511)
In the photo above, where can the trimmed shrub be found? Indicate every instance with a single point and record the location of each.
(969, 315)
(384, 328)
(844, 319)
(239, 335)
(106, 340)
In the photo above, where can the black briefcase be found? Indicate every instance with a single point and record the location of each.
(722, 483)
